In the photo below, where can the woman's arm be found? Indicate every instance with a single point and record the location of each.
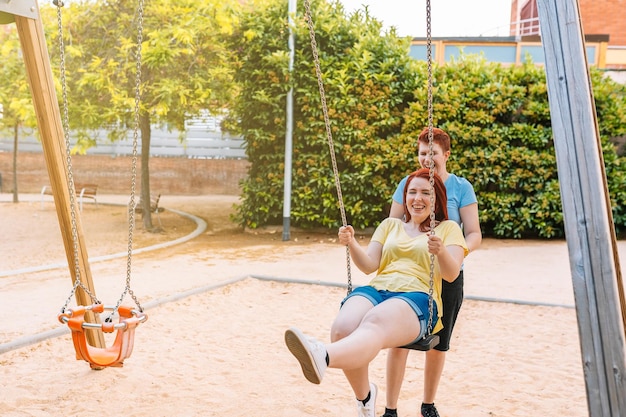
(368, 260)
(471, 226)
(449, 258)
(397, 210)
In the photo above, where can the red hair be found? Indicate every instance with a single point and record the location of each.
(439, 136)
(441, 198)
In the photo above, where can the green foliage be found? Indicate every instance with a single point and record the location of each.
(185, 63)
(498, 118)
(610, 99)
(368, 80)
(16, 109)
(499, 121)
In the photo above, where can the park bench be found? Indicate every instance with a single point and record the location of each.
(83, 191)
(154, 207)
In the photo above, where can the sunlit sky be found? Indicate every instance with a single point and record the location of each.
(448, 17)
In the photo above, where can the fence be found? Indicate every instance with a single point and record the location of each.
(168, 176)
(193, 143)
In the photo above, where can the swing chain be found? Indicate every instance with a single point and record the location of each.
(70, 176)
(431, 167)
(329, 134)
(131, 204)
(65, 121)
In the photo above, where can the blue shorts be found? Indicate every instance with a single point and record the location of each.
(417, 300)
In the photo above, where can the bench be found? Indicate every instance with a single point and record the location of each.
(82, 191)
(154, 207)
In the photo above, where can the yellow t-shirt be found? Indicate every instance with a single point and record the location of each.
(405, 261)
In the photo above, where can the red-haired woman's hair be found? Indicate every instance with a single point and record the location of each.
(439, 136)
(441, 198)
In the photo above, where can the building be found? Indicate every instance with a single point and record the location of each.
(507, 50)
(603, 25)
(601, 19)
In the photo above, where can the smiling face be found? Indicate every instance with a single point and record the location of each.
(417, 199)
(417, 193)
(439, 157)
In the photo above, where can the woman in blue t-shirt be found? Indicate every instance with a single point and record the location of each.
(463, 209)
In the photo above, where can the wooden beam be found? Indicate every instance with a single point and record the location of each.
(39, 74)
(589, 227)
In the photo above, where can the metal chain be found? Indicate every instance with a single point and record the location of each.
(131, 216)
(431, 173)
(131, 205)
(68, 158)
(329, 135)
(320, 83)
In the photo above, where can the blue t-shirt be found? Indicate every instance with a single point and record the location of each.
(460, 194)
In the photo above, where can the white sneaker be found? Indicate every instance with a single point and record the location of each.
(310, 353)
(369, 409)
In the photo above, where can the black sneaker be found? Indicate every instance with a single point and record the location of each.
(429, 410)
(387, 414)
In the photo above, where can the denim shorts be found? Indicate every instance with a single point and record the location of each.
(417, 300)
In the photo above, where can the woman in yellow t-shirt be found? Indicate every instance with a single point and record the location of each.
(392, 310)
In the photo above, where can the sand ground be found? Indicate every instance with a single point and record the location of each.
(219, 303)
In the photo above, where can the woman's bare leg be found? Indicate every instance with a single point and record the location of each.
(396, 365)
(433, 368)
(382, 327)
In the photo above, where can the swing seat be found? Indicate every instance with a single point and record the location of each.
(121, 348)
(424, 344)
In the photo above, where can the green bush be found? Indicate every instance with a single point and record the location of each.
(369, 82)
(498, 118)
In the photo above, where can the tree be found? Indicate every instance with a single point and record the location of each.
(183, 68)
(16, 106)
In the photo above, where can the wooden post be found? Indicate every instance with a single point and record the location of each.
(39, 74)
(589, 228)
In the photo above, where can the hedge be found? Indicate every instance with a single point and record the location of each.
(498, 118)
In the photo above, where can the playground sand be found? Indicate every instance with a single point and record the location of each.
(219, 304)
